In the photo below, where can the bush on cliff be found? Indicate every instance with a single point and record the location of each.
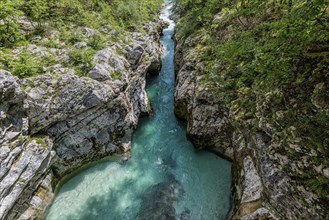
(269, 59)
(9, 32)
(23, 22)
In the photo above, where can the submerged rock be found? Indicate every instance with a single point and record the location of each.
(158, 200)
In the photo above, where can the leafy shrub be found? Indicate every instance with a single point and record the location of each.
(37, 11)
(9, 28)
(250, 49)
(83, 59)
(68, 17)
(321, 186)
(25, 65)
(96, 42)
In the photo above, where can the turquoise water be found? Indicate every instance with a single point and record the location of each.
(165, 178)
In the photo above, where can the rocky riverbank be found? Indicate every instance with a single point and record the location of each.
(264, 183)
(53, 124)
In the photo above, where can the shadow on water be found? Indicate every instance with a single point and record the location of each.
(156, 203)
(101, 206)
(166, 178)
(158, 200)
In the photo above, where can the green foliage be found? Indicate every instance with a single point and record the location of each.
(96, 42)
(72, 38)
(196, 14)
(20, 138)
(68, 17)
(270, 59)
(83, 59)
(49, 43)
(37, 10)
(321, 186)
(262, 45)
(120, 14)
(116, 75)
(24, 65)
(40, 140)
(9, 32)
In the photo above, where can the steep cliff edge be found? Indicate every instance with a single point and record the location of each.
(273, 129)
(54, 123)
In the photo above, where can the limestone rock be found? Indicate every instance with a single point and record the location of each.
(88, 32)
(134, 53)
(320, 98)
(55, 123)
(262, 188)
(80, 45)
(99, 73)
(260, 214)
(208, 124)
(10, 93)
(252, 183)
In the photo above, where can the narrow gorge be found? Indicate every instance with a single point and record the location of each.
(157, 109)
(164, 178)
(57, 122)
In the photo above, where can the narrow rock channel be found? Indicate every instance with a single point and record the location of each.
(165, 177)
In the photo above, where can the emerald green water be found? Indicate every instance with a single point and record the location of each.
(165, 178)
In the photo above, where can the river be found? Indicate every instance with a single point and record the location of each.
(166, 178)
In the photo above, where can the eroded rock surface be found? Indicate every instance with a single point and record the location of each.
(55, 123)
(194, 103)
(263, 187)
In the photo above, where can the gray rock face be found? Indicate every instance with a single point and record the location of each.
(252, 184)
(261, 188)
(23, 160)
(134, 53)
(55, 123)
(108, 63)
(259, 214)
(99, 73)
(194, 103)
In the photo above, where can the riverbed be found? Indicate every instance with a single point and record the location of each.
(166, 178)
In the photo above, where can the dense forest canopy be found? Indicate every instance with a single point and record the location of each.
(273, 52)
